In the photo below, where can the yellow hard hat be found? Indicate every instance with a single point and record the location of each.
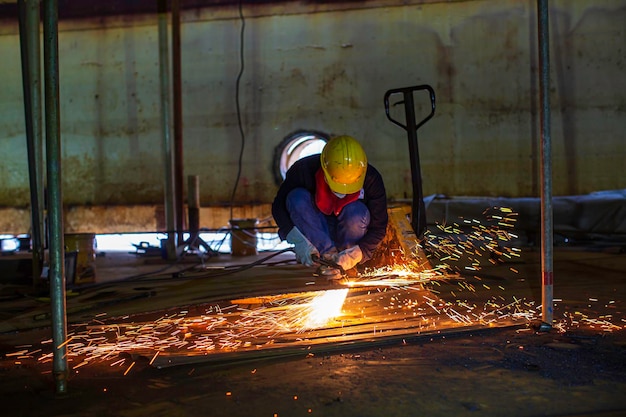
(344, 163)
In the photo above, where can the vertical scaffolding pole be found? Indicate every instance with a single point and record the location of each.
(55, 199)
(547, 275)
(29, 20)
(166, 127)
(178, 120)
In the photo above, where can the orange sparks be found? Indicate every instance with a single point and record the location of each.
(129, 368)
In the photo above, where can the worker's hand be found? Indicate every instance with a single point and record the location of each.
(349, 258)
(302, 247)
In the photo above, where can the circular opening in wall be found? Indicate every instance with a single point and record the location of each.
(296, 146)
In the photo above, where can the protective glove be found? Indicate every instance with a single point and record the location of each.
(303, 248)
(348, 258)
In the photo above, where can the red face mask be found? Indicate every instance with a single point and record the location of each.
(326, 200)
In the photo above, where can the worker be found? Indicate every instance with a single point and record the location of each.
(332, 205)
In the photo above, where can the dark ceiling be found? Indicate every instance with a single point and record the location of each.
(76, 9)
(79, 9)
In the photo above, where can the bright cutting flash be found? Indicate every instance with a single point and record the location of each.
(394, 276)
(325, 307)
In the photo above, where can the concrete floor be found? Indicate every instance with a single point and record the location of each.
(352, 367)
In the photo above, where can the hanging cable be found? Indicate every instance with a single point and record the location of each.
(237, 88)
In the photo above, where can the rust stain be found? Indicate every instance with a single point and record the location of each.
(446, 68)
(331, 75)
(297, 76)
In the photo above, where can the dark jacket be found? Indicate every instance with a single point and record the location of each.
(302, 175)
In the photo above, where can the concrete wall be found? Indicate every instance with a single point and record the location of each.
(325, 68)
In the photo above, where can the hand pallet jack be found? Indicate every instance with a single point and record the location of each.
(418, 209)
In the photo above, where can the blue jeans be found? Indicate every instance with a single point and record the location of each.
(327, 232)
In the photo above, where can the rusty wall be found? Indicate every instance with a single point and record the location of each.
(326, 69)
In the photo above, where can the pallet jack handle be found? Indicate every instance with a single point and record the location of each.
(418, 209)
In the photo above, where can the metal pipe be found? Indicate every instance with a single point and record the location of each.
(547, 275)
(193, 207)
(29, 20)
(178, 121)
(55, 198)
(193, 191)
(168, 154)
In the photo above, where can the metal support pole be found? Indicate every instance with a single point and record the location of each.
(178, 120)
(55, 199)
(29, 20)
(547, 276)
(193, 206)
(168, 154)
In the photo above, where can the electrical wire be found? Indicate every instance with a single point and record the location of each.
(238, 268)
(237, 89)
(187, 273)
(182, 275)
